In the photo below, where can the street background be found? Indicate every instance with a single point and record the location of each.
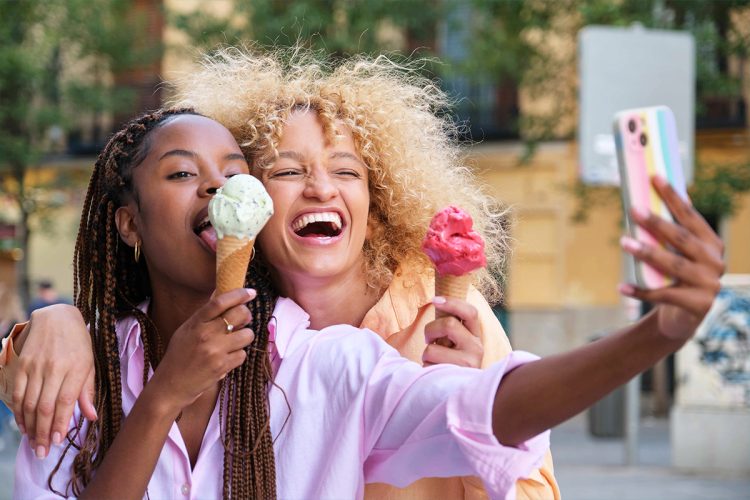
(71, 71)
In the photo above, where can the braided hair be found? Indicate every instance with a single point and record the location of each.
(109, 284)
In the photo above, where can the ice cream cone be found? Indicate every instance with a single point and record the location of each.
(447, 285)
(232, 258)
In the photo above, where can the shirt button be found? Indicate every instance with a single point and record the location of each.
(185, 489)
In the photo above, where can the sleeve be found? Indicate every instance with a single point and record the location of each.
(437, 422)
(32, 474)
(8, 358)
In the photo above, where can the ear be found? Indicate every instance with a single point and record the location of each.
(126, 224)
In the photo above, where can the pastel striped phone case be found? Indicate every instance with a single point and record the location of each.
(647, 145)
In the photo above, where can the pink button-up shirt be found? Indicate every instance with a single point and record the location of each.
(359, 413)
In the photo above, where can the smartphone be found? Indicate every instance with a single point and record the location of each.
(647, 145)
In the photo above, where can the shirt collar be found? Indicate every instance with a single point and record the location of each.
(287, 321)
(131, 350)
(128, 329)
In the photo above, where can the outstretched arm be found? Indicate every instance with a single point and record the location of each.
(542, 394)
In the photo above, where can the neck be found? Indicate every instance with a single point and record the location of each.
(170, 307)
(332, 301)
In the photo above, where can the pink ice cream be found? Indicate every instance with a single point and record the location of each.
(451, 243)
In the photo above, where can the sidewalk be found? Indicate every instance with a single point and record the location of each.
(590, 468)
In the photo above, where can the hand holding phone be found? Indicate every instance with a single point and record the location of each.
(647, 146)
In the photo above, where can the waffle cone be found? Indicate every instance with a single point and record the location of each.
(448, 285)
(232, 258)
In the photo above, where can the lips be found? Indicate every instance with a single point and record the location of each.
(318, 224)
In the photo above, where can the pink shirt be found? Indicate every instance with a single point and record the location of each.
(359, 413)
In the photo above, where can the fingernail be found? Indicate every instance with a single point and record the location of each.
(21, 428)
(96, 415)
(56, 438)
(40, 452)
(626, 289)
(251, 292)
(438, 300)
(631, 245)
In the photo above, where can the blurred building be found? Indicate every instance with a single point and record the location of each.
(562, 279)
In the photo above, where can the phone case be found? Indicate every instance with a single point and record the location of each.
(647, 145)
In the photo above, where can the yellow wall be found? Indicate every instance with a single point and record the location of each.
(556, 262)
(560, 264)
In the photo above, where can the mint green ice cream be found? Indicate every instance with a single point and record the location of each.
(240, 208)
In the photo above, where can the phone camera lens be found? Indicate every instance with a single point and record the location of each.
(631, 125)
(644, 139)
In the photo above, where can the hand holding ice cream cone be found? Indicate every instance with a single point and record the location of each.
(456, 250)
(238, 211)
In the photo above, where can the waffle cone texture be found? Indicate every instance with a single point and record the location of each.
(232, 258)
(448, 285)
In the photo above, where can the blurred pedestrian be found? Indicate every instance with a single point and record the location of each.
(46, 295)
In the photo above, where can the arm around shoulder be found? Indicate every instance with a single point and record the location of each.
(54, 368)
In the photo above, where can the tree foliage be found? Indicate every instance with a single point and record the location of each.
(505, 42)
(336, 26)
(58, 61)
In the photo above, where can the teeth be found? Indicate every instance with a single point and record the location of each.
(203, 223)
(306, 219)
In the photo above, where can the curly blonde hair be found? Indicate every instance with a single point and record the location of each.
(400, 127)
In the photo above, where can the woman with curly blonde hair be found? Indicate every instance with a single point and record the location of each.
(292, 112)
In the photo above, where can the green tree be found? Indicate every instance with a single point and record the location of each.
(506, 43)
(336, 26)
(58, 63)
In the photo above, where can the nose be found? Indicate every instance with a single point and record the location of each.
(320, 185)
(210, 183)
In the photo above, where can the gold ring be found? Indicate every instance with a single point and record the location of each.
(230, 326)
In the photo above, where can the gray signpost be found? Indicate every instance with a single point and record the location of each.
(622, 68)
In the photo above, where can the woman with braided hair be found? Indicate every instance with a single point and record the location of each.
(151, 320)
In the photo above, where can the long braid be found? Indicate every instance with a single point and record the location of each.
(249, 443)
(109, 285)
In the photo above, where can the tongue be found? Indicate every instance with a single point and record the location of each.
(208, 235)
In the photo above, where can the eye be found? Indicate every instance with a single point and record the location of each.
(286, 172)
(231, 174)
(347, 172)
(182, 174)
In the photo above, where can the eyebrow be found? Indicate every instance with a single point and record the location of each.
(191, 154)
(346, 155)
(294, 155)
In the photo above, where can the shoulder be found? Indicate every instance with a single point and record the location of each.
(348, 355)
(345, 342)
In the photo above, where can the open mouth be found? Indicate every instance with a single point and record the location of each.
(206, 232)
(318, 225)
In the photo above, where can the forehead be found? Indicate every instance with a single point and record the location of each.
(193, 133)
(305, 126)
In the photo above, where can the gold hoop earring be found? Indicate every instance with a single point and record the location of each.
(137, 251)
